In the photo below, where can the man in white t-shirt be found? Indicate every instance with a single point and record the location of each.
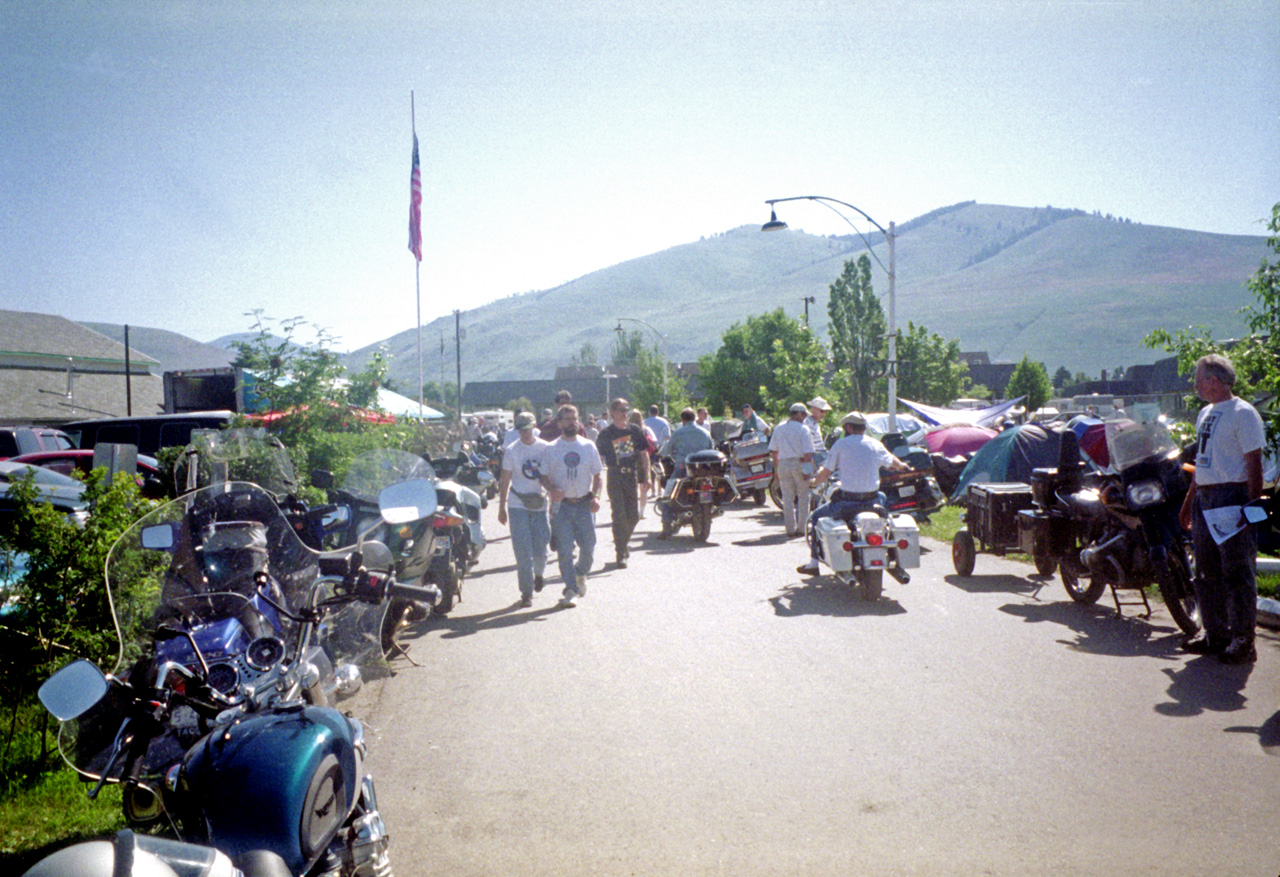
(1229, 440)
(523, 500)
(572, 476)
(791, 446)
(855, 461)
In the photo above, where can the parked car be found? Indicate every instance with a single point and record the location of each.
(16, 440)
(150, 476)
(64, 493)
(149, 433)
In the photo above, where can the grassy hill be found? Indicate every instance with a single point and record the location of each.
(1065, 287)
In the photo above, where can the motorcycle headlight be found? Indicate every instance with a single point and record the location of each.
(1145, 493)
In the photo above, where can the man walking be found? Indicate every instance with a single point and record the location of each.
(704, 421)
(1229, 440)
(550, 431)
(855, 461)
(660, 425)
(625, 450)
(522, 465)
(791, 447)
(818, 409)
(572, 478)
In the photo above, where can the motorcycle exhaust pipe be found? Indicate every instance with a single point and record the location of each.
(900, 574)
(1094, 556)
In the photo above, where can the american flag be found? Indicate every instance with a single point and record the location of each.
(415, 205)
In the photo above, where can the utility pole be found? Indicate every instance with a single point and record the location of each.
(457, 344)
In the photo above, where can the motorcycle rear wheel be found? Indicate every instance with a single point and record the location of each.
(447, 579)
(870, 584)
(701, 523)
(963, 553)
(1071, 582)
(775, 492)
(1178, 591)
(761, 495)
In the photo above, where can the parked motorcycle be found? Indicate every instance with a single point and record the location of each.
(914, 492)
(864, 543)
(470, 470)
(1120, 529)
(699, 494)
(750, 465)
(219, 736)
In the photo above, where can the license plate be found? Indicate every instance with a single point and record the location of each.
(906, 490)
(706, 496)
(757, 467)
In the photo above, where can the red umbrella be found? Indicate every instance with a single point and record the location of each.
(958, 440)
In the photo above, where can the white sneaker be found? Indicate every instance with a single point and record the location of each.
(568, 601)
(808, 569)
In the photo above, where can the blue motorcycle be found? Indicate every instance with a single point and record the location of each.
(215, 719)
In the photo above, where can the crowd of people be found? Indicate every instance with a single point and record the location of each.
(552, 475)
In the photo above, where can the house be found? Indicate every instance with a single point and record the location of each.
(53, 370)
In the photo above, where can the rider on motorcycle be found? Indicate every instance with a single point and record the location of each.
(685, 439)
(855, 461)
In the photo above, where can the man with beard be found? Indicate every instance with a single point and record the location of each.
(572, 476)
(625, 450)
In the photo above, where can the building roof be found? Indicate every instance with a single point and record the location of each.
(53, 370)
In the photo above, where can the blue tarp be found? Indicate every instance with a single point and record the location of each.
(1011, 456)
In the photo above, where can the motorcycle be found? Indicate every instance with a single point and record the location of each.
(914, 492)
(1120, 528)
(219, 736)
(697, 496)
(460, 536)
(470, 470)
(864, 543)
(750, 465)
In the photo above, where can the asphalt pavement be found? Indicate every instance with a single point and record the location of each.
(710, 711)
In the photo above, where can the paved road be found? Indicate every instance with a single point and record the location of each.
(707, 711)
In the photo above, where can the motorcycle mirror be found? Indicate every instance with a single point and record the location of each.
(1255, 512)
(377, 556)
(407, 501)
(73, 690)
(322, 479)
(159, 537)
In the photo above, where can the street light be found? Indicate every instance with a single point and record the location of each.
(661, 337)
(808, 300)
(775, 224)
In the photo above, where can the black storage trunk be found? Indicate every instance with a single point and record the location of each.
(993, 512)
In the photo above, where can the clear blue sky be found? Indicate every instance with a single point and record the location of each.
(178, 164)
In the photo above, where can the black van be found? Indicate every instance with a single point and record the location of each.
(149, 434)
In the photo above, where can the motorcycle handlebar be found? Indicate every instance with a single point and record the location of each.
(428, 594)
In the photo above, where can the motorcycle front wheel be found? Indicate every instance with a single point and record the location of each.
(445, 576)
(1086, 593)
(1178, 591)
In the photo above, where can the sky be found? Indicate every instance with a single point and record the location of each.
(182, 164)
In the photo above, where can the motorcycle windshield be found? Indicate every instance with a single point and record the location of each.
(237, 454)
(202, 564)
(1130, 442)
(370, 472)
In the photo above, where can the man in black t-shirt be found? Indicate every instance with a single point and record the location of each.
(625, 451)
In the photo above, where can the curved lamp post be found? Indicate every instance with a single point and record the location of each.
(775, 224)
(663, 338)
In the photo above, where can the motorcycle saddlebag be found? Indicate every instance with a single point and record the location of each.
(706, 464)
(1033, 531)
(832, 534)
(905, 527)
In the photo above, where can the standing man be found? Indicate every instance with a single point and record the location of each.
(1229, 440)
(572, 478)
(550, 431)
(855, 461)
(625, 450)
(818, 409)
(791, 447)
(660, 425)
(704, 421)
(753, 421)
(522, 467)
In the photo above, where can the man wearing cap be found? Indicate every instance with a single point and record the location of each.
(818, 409)
(572, 475)
(855, 461)
(791, 447)
(624, 448)
(522, 467)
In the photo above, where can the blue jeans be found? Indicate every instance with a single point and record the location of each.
(574, 525)
(837, 509)
(530, 533)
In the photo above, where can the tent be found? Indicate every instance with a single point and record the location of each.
(973, 416)
(957, 439)
(403, 406)
(878, 424)
(1092, 434)
(1011, 456)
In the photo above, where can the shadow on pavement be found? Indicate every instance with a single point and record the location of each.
(826, 595)
(1100, 631)
(1204, 684)
(1268, 733)
(977, 584)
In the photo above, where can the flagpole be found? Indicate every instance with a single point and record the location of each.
(417, 262)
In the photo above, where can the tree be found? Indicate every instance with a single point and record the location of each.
(857, 326)
(646, 385)
(586, 356)
(627, 347)
(1257, 355)
(363, 389)
(1061, 378)
(1030, 379)
(440, 395)
(936, 373)
(766, 361)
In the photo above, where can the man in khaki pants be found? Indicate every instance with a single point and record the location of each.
(791, 446)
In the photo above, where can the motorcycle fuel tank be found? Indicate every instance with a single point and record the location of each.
(283, 781)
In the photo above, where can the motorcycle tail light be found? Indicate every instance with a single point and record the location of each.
(444, 522)
(904, 544)
(848, 546)
(875, 539)
(1144, 494)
